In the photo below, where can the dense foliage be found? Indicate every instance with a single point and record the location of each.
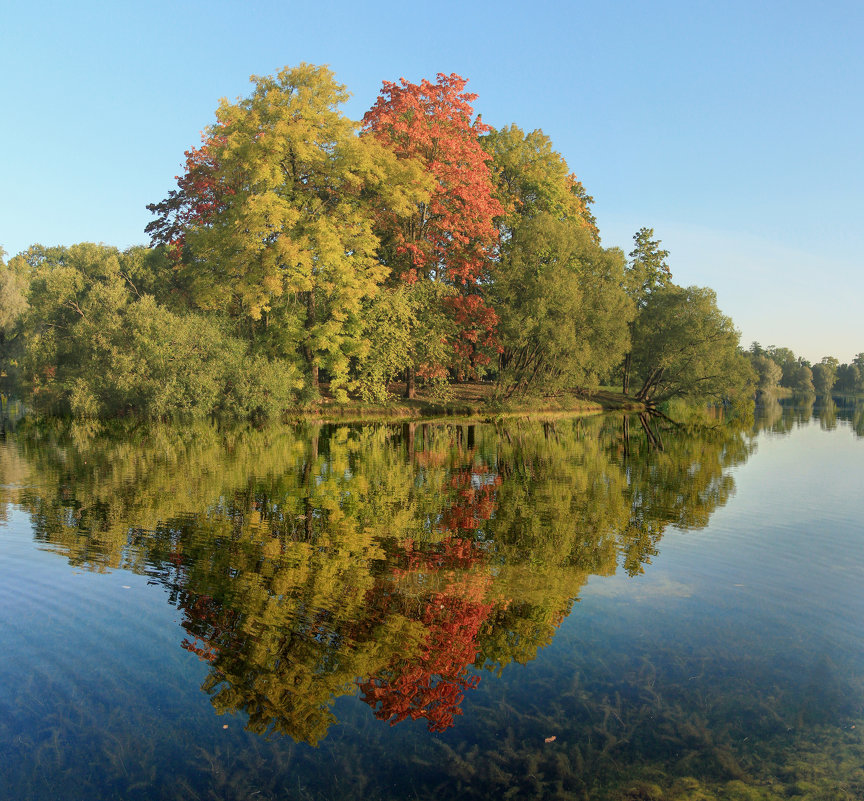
(778, 369)
(303, 252)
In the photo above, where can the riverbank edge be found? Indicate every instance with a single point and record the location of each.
(471, 408)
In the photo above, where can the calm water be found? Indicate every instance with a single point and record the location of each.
(573, 610)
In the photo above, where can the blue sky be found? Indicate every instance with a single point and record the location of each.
(733, 129)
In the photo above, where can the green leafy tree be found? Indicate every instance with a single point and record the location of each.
(13, 306)
(850, 377)
(768, 372)
(557, 293)
(403, 325)
(563, 312)
(798, 377)
(647, 271)
(532, 179)
(96, 347)
(825, 375)
(275, 218)
(684, 346)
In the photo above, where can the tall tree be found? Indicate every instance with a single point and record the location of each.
(273, 220)
(558, 294)
(647, 272)
(447, 238)
(564, 314)
(798, 376)
(13, 305)
(768, 372)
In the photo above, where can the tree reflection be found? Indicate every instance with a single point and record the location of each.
(393, 562)
(858, 419)
(827, 411)
(782, 416)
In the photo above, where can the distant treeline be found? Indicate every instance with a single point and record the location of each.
(779, 367)
(301, 248)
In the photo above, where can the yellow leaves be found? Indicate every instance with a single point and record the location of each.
(271, 549)
(295, 168)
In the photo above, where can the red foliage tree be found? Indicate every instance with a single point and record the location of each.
(451, 237)
(198, 199)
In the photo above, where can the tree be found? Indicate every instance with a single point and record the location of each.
(648, 269)
(847, 378)
(531, 179)
(557, 293)
(272, 221)
(798, 377)
(768, 372)
(788, 363)
(647, 272)
(403, 325)
(95, 347)
(563, 312)
(13, 306)
(825, 375)
(683, 346)
(448, 237)
(850, 377)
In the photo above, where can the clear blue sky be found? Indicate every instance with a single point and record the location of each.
(733, 129)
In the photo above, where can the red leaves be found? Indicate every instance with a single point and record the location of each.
(477, 322)
(199, 198)
(452, 236)
(432, 686)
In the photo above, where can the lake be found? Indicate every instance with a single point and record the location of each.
(575, 608)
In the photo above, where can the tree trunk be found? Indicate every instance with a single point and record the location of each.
(308, 353)
(410, 389)
(625, 385)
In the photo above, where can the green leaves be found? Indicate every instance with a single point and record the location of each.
(531, 178)
(683, 346)
(97, 347)
(297, 190)
(563, 312)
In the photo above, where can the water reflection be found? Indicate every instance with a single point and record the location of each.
(413, 567)
(403, 560)
(781, 416)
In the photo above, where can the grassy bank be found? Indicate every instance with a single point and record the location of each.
(469, 400)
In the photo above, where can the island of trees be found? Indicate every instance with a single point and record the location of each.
(303, 250)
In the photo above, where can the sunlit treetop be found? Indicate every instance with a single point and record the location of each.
(532, 178)
(450, 236)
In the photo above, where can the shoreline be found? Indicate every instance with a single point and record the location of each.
(469, 401)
